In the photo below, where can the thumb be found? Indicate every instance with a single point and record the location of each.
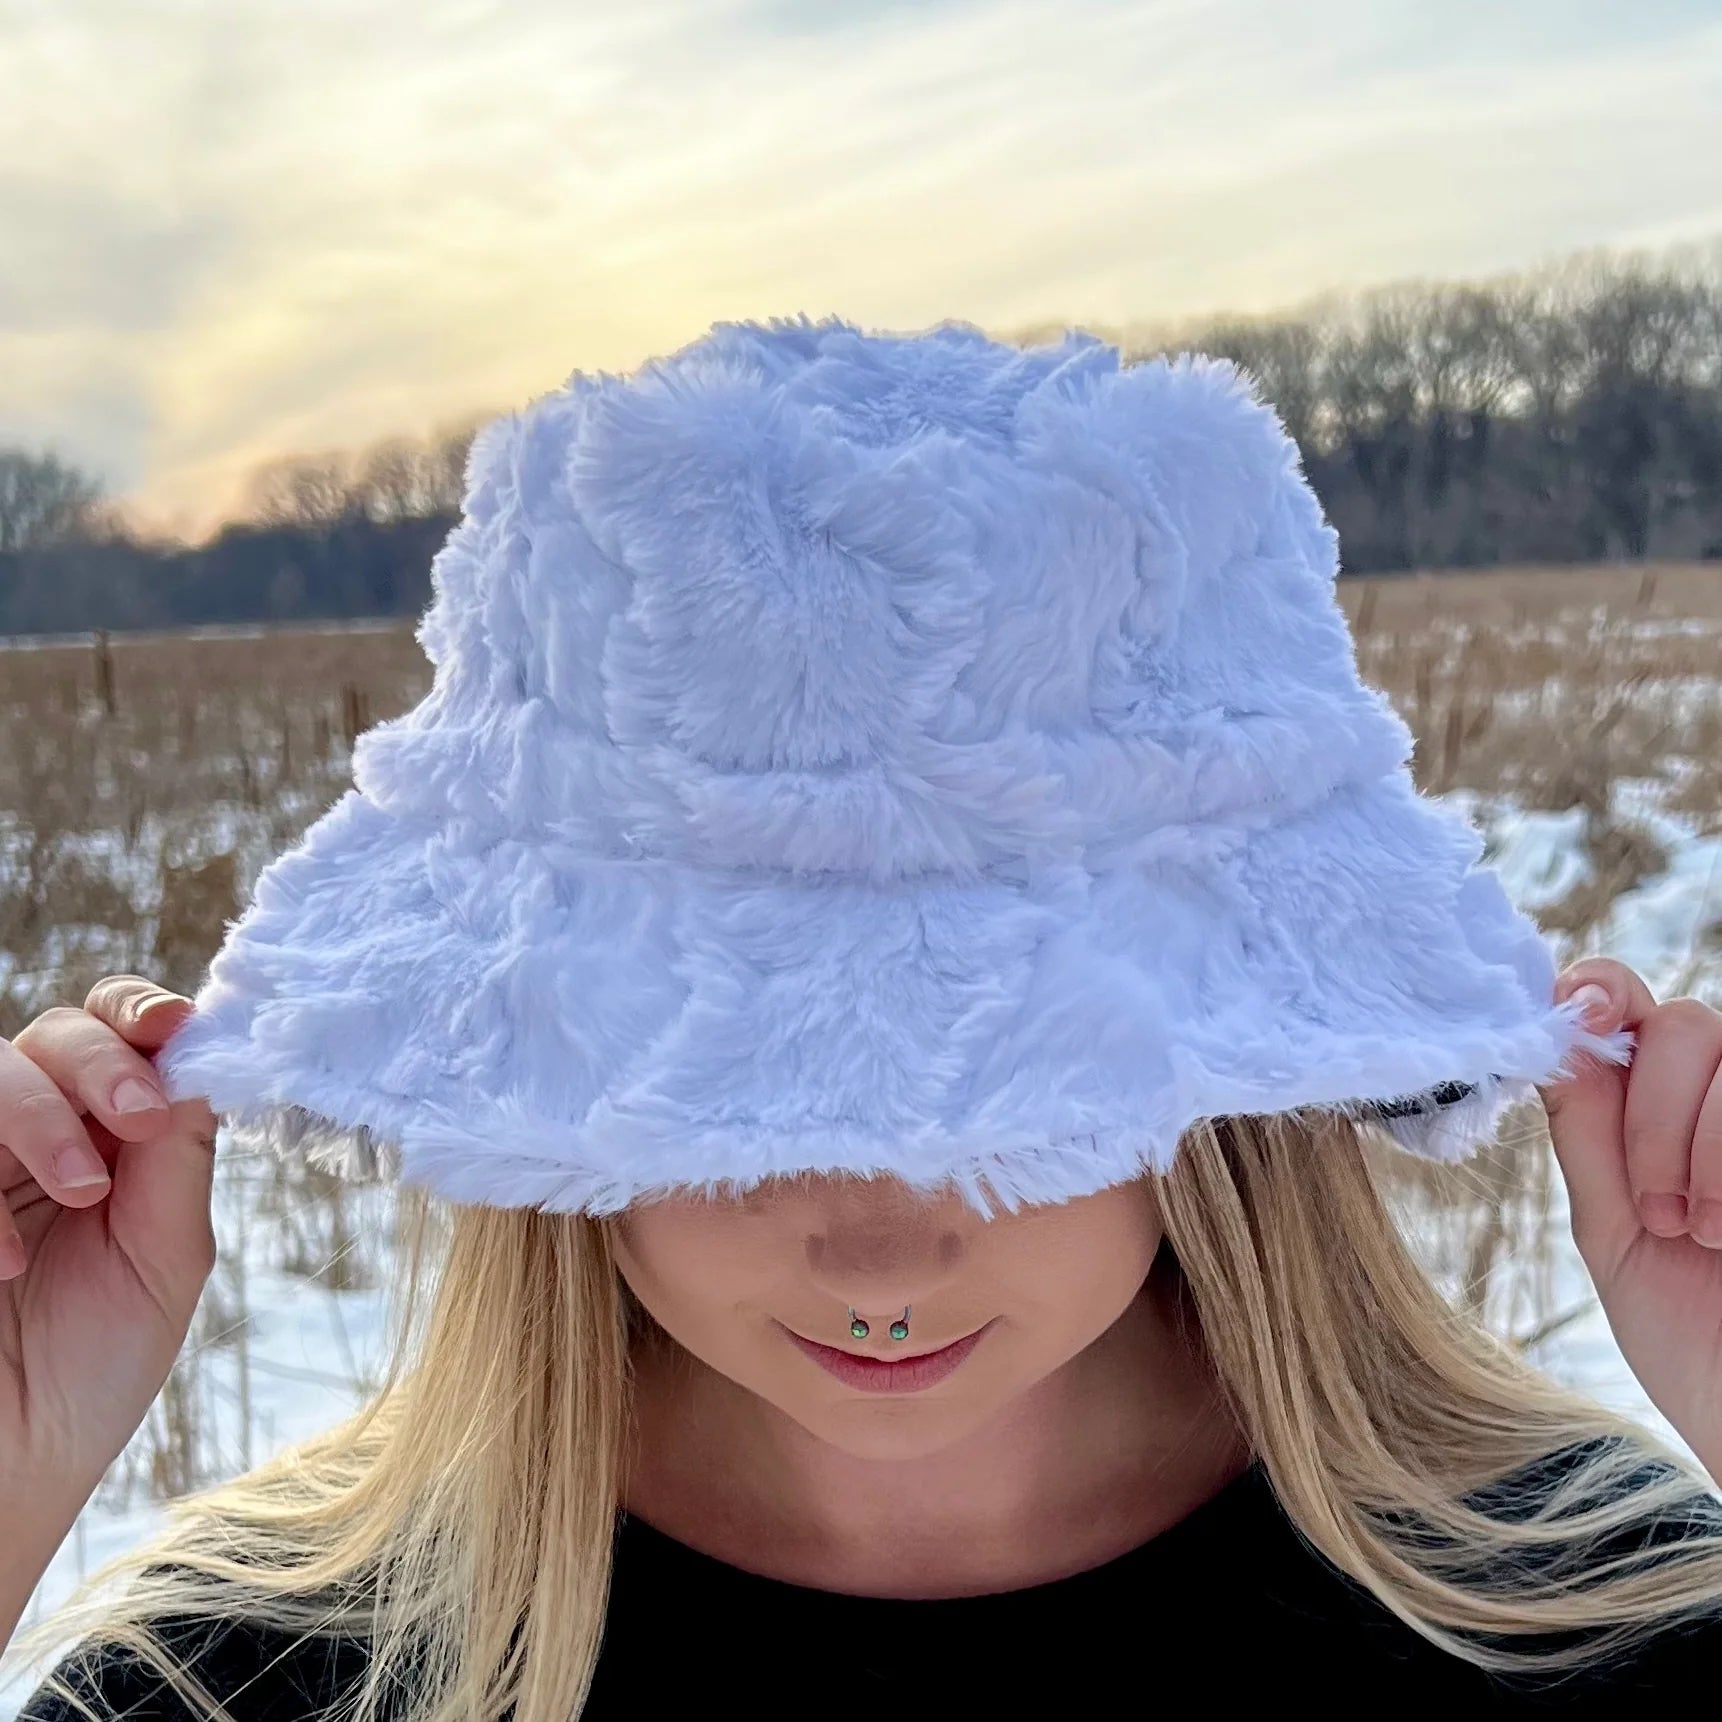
(1587, 1109)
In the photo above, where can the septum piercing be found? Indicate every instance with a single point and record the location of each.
(899, 1329)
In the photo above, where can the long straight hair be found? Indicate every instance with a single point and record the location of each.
(461, 1524)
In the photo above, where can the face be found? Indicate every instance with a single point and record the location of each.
(759, 1287)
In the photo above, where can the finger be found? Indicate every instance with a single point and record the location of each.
(1705, 1195)
(1587, 1111)
(141, 1012)
(1628, 993)
(1678, 1050)
(13, 1259)
(97, 1071)
(160, 1212)
(45, 1134)
(162, 1187)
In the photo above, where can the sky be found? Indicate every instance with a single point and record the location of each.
(231, 229)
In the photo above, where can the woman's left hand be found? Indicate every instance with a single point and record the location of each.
(1640, 1148)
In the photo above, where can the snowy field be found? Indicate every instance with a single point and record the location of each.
(1664, 928)
(307, 1353)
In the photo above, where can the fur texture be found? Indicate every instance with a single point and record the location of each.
(873, 753)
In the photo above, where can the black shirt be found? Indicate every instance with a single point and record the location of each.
(1229, 1605)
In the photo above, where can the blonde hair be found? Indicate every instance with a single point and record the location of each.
(461, 1524)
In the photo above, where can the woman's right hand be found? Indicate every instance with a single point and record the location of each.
(105, 1237)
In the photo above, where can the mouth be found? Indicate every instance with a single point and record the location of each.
(890, 1375)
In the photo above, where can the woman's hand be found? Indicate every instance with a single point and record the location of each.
(1641, 1151)
(105, 1237)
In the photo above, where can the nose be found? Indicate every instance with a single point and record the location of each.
(877, 1249)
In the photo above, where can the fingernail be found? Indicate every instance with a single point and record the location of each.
(1593, 1001)
(1707, 1223)
(1663, 1215)
(78, 1167)
(136, 1095)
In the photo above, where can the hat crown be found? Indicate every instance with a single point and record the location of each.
(873, 754)
(811, 600)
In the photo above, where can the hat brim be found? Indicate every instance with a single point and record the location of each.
(513, 1024)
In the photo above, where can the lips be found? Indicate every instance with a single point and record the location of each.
(890, 1375)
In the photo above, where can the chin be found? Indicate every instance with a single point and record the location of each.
(890, 1428)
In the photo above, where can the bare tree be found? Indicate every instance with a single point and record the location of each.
(1565, 414)
(450, 451)
(404, 479)
(43, 501)
(1287, 357)
(307, 490)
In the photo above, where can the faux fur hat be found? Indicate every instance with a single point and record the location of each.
(906, 754)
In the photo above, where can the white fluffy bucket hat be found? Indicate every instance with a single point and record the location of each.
(904, 754)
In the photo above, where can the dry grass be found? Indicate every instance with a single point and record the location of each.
(148, 778)
(1556, 688)
(1533, 596)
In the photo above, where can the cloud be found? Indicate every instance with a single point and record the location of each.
(311, 223)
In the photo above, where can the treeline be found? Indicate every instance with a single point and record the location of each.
(1573, 414)
(320, 537)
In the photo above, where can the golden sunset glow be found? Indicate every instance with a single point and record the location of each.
(229, 230)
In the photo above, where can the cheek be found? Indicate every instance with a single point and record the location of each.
(706, 1285)
(1078, 1269)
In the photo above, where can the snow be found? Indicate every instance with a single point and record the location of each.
(1660, 928)
(1540, 857)
(1662, 925)
(1663, 627)
(206, 631)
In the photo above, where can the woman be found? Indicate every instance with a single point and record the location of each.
(881, 964)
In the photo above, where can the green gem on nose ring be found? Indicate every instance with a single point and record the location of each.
(857, 1326)
(900, 1329)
